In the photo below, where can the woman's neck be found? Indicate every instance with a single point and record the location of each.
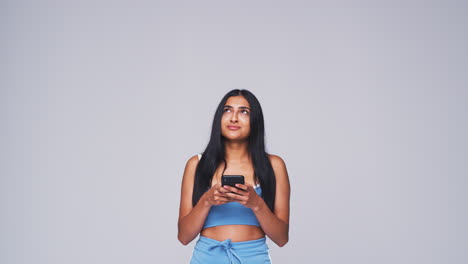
(236, 151)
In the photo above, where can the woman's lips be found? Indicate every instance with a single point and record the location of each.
(233, 127)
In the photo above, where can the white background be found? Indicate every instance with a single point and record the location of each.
(103, 102)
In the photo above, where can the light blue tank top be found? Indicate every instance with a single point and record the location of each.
(232, 213)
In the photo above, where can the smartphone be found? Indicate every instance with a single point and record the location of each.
(232, 180)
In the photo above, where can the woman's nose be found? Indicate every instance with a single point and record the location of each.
(234, 117)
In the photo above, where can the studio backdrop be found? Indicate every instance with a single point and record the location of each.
(103, 102)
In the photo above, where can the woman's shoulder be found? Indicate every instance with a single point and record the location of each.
(193, 160)
(276, 161)
(279, 168)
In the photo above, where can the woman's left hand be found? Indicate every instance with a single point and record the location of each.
(246, 195)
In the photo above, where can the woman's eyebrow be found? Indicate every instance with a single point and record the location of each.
(241, 107)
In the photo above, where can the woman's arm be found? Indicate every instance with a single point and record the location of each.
(275, 225)
(192, 219)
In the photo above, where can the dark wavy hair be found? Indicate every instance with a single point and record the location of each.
(214, 153)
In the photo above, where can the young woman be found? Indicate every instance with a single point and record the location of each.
(232, 222)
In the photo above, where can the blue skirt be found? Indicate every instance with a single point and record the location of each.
(210, 251)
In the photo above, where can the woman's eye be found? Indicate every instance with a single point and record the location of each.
(245, 112)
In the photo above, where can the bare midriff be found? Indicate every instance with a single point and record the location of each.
(236, 233)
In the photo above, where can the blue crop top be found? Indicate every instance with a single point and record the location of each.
(232, 213)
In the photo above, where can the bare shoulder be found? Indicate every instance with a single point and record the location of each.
(283, 188)
(279, 167)
(189, 177)
(192, 162)
(276, 161)
(187, 186)
(190, 168)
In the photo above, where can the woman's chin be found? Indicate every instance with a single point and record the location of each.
(235, 139)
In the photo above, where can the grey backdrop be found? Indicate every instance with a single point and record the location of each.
(103, 102)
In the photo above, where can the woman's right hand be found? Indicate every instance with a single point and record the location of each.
(216, 195)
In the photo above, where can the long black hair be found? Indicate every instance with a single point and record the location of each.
(214, 153)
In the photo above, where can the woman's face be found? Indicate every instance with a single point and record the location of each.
(235, 123)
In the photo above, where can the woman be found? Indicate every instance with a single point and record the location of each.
(232, 222)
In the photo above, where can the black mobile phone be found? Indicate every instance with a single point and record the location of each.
(231, 180)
